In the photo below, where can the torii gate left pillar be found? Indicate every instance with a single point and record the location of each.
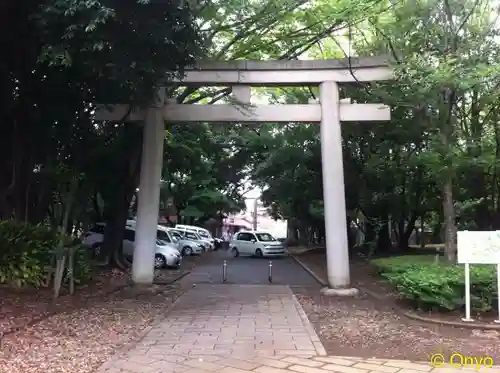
(330, 112)
(149, 196)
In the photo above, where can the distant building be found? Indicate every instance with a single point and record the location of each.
(235, 223)
(245, 221)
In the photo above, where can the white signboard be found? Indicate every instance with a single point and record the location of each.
(475, 247)
(478, 248)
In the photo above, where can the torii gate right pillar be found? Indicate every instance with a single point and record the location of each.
(337, 248)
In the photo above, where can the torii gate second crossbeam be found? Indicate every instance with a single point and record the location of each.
(241, 75)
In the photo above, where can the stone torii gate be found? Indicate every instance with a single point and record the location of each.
(241, 75)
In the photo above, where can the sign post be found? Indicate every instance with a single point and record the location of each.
(467, 293)
(498, 293)
(478, 247)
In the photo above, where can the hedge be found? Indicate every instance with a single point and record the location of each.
(439, 286)
(26, 251)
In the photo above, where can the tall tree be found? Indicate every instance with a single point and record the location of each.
(66, 56)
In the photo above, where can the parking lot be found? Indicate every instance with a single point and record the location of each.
(249, 270)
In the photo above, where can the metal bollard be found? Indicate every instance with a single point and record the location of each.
(224, 272)
(270, 278)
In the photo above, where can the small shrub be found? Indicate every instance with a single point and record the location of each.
(27, 250)
(24, 253)
(439, 286)
(82, 270)
(398, 264)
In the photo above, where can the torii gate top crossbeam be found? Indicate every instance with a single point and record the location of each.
(287, 72)
(240, 75)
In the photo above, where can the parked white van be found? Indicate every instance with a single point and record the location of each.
(204, 233)
(258, 244)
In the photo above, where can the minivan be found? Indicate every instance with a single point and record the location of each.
(204, 233)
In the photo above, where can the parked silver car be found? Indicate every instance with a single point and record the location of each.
(185, 247)
(166, 255)
(193, 236)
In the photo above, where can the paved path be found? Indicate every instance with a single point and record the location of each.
(249, 270)
(243, 329)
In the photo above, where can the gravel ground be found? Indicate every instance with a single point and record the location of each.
(80, 341)
(19, 308)
(87, 327)
(365, 326)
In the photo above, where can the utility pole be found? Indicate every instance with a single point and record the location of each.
(255, 204)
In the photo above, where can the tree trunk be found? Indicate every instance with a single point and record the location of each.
(384, 239)
(404, 237)
(303, 234)
(422, 231)
(351, 239)
(117, 213)
(43, 195)
(292, 230)
(449, 222)
(370, 234)
(115, 229)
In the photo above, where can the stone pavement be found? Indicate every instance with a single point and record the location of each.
(242, 329)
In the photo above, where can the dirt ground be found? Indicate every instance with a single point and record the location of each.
(81, 340)
(370, 326)
(78, 333)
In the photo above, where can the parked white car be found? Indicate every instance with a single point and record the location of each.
(166, 254)
(193, 236)
(185, 246)
(202, 232)
(254, 243)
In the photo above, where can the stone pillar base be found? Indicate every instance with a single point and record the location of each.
(346, 292)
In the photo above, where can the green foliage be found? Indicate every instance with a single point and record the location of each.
(26, 252)
(444, 126)
(81, 53)
(199, 175)
(398, 264)
(206, 166)
(124, 48)
(430, 285)
(82, 265)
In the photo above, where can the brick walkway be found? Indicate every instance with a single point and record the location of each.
(242, 329)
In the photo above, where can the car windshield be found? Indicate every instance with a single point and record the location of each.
(161, 243)
(203, 234)
(191, 236)
(176, 236)
(162, 235)
(265, 237)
